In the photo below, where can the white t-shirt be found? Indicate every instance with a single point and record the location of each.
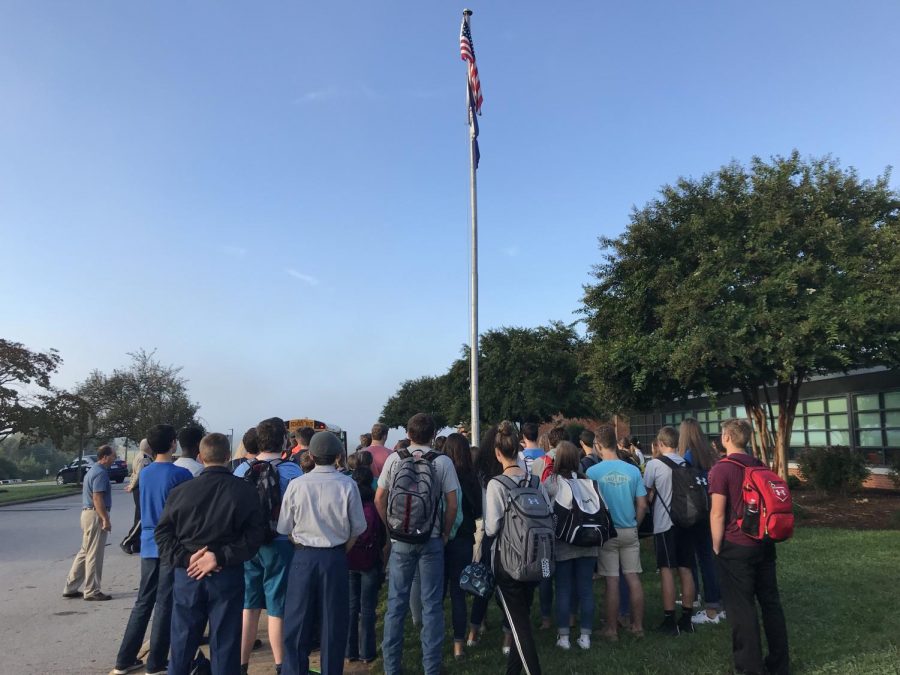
(658, 476)
(191, 465)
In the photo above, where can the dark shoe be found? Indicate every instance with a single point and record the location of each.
(100, 597)
(686, 625)
(257, 644)
(137, 665)
(161, 671)
(668, 627)
(73, 594)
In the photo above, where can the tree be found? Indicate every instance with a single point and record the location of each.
(131, 400)
(24, 385)
(425, 394)
(524, 374)
(750, 280)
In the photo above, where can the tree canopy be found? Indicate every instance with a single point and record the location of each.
(26, 394)
(130, 400)
(746, 278)
(524, 374)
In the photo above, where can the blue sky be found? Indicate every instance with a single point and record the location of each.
(274, 195)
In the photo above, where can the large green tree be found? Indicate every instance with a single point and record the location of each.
(127, 402)
(751, 279)
(524, 374)
(27, 398)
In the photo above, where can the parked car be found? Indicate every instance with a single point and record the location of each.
(69, 473)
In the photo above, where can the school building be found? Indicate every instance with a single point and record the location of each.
(860, 410)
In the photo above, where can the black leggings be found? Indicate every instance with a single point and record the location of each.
(514, 598)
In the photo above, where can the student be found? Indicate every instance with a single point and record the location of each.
(96, 502)
(626, 498)
(674, 545)
(377, 448)
(323, 514)
(265, 575)
(486, 467)
(747, 569)
(555, 436)
(209, 528)
(574, 564)
(458, 552)
(426, 558)
(590, 457)
(530, 449)
(696, 450)
(514, 597)
(248, 448)
(303, 436)
(189, 439)
(155, 591)
(365, 561)
(142, 459)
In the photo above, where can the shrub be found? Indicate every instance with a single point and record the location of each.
(836, 470)
(8, 469)
(794, 483)
(895, 472)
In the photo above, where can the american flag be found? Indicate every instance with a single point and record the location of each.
(467, 52)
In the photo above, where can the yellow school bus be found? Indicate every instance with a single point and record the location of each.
(298, 423)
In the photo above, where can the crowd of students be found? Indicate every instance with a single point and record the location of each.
(298, 529)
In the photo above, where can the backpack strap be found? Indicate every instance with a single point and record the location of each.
(669, 463)
(404, 454)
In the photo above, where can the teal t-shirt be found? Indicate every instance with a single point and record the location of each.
(620, 484)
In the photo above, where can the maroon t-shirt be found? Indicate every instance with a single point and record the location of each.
(727, 479)
(379, 457)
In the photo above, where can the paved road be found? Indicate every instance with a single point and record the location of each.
(40, 631)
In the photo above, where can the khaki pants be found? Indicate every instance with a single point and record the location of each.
(88, 563)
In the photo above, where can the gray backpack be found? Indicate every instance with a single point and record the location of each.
(413, 498)
(526, 542)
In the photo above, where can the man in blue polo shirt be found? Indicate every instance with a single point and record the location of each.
(96, 501)
(157, 480)
(266, 574)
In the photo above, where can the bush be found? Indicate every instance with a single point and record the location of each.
(8, 469)
(836, 470)
(794, 483)
(895, 472)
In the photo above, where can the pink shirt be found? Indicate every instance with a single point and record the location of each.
(379, 456)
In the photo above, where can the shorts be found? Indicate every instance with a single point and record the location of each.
(623, 550)
(674, 547)
(265, 577)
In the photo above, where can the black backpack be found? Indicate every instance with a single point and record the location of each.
(690, 494)
(263, 475)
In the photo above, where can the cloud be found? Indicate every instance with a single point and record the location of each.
(234, 251)
(511, 251)
(306, 278)
(333, 92)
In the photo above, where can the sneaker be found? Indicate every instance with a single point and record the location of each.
(584, 642)
(668, 627)
(164, 671)
(505, 650)
(702, 617)
(685, 624)
(720, 617)
(73, 594)
(137, 665)
(99, 597)
(562, 641)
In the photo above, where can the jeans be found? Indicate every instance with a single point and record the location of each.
(364, 587)
(576, 574)
(218, 598)
(154, 595)
(457, 554)
(405, 559)
(318, 588)
(749, 578)
(712, 594)
(545, 593)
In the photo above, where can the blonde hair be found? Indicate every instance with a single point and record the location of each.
(739, 431)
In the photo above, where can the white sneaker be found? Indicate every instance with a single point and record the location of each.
(584, 642)
(505, 651)
(720, 617)
(702, 617)
(562, 641)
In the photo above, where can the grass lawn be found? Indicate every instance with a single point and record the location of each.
(13, 494)
(838, 588)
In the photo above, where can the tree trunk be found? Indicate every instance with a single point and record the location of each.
(761, 440)
(788, 397)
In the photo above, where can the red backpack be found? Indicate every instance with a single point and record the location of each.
(773, 499)
(366, 551)
(548, 468)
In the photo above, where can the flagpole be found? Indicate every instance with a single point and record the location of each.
(473, 307)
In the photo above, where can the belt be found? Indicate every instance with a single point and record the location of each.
(318, 548)
(87, 508)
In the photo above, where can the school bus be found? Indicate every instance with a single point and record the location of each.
(293, 424)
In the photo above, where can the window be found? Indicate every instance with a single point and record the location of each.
(821, 422)
(877, 420)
